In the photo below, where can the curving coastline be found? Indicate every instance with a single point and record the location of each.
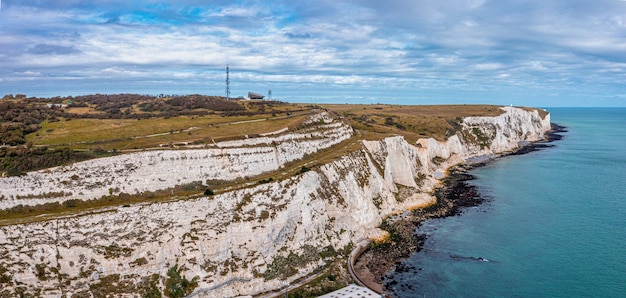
(369, 264)
(268, 233)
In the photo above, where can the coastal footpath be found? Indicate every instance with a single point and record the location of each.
(247, 241)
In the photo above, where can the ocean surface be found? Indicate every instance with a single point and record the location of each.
(554, 223)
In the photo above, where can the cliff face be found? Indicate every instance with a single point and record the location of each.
(247, 241)
(154, 170)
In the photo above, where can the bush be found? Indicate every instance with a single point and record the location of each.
(304, 169)
(178, 285)
(264, 181)
(150, 287)
(72, 203)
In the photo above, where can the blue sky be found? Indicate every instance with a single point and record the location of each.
(533, 52)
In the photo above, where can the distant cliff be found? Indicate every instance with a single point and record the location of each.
(160, 169)
(242, 242)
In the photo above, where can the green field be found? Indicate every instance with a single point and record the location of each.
(412, 122)
(122, 134)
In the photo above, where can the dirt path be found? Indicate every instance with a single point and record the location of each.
(357, 266)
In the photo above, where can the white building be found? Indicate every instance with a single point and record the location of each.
(352, 291)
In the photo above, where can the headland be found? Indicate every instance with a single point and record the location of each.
(133, 194)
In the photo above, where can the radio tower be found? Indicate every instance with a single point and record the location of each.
(227, 84)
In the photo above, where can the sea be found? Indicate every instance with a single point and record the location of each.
(553, 224)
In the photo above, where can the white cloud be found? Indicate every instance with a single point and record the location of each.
(29, 73)
(488, 66)
(234, 11)
(445, 59)
(537, 65)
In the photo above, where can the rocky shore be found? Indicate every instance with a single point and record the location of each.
(453, 197)
(553, 135)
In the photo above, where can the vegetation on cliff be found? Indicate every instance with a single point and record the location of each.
(62, 130)
(138, 123)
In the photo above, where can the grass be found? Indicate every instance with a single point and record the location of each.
(412, 122)
(374, 121)
(147, 133)
(109, 203)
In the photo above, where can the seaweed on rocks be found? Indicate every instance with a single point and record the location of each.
(456, 193)
(555, 132)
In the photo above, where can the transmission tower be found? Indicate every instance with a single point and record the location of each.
(227, 84)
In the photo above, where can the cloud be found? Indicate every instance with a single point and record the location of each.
(30, 73)
(488, 66)
(367, 45)
(297, 35)
(49, 49)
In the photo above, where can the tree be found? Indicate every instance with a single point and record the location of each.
(178, 285)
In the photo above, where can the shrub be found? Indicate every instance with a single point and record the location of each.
(115, 251)
(178, 285)
(71, 203)
(150, 287)
(139, 262)
(304, 169)
(264, 181)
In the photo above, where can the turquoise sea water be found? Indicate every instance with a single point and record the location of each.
(554, 224)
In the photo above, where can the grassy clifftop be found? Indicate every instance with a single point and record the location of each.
(412, 122)
(56, 131)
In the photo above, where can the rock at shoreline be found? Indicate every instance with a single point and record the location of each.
(455, 195)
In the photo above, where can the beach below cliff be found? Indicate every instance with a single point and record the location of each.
(455, 194)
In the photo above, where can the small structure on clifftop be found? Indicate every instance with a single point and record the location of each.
(252, 95)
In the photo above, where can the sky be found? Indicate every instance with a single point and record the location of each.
(543, 53)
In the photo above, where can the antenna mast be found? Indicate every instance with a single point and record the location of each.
(227, 84)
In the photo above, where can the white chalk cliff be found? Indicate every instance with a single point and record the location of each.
(237, 242)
